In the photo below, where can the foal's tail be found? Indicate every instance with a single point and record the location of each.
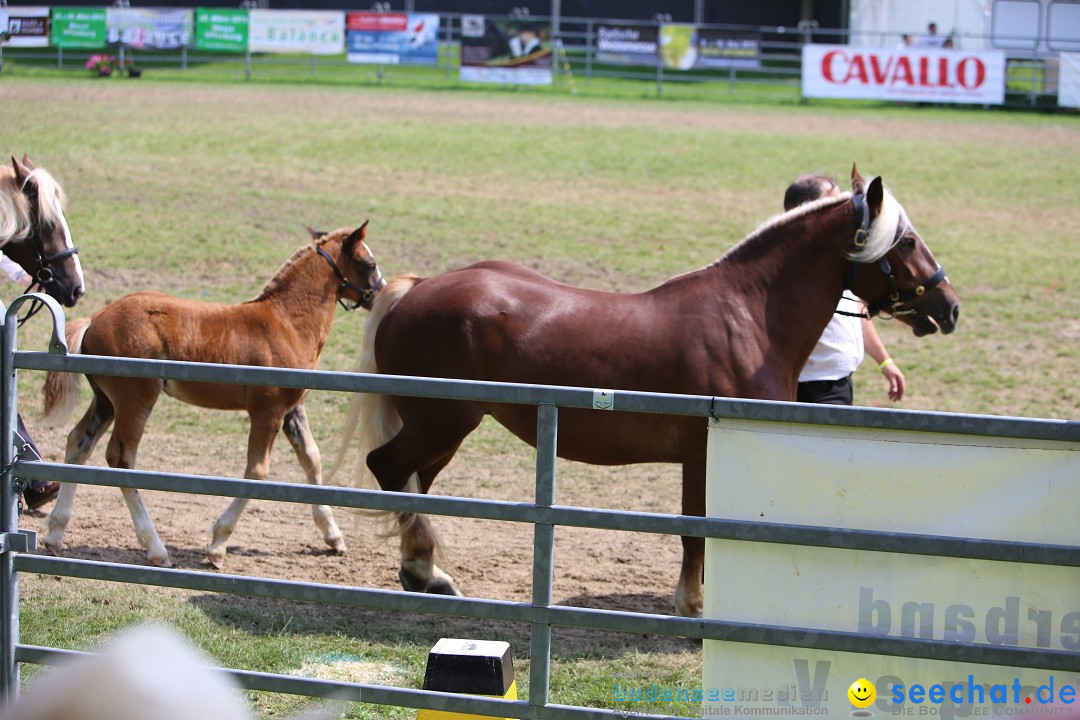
(61, 388)
(371, 413)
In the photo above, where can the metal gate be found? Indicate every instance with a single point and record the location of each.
(543, 513)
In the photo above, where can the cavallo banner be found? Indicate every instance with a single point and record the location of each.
(917, 75)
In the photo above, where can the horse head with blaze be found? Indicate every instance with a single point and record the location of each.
(34, 232)
(741, 327)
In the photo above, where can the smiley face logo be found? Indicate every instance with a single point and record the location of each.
(862, 693)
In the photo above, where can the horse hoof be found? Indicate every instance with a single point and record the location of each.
(54, 550)
(441, 586)
(337, 545)
(163, 562)
(215, 560)
(434, 586)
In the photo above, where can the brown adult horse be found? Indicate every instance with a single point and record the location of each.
(285, 326)
(34, 232)
(741, 327)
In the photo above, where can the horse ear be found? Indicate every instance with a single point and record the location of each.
(858, 185)
(358, 235)
(28, 162)
(21, 171)
(315, 234)
(874, 196)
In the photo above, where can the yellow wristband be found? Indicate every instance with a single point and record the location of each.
(885, 363)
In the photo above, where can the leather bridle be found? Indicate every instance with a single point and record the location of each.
(366, 294)
(44, 273)
(896, 297)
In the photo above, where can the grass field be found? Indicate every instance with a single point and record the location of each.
(201, 190)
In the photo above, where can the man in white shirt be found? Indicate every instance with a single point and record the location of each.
(826, 376)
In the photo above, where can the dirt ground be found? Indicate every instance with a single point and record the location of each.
(593, 568)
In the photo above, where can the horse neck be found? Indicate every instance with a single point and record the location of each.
(789, 278)
(304, 292)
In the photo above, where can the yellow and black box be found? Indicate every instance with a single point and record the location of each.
(469, 667)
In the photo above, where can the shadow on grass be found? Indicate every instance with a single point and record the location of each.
(267, 616)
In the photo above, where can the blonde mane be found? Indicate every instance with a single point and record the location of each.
(274, 283)
(880, 235)
(15, 215)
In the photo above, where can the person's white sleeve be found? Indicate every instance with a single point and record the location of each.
(13, 269)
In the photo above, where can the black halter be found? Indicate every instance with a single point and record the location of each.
(44, 273)
(366, 294)
(896, 297)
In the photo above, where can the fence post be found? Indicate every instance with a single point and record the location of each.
(9, 515)
(589, 49)
(547, 425)
(11, 540)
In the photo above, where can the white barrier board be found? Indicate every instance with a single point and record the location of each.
(924, 483)
(1069, 80)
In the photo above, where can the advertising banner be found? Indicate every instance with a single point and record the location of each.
(687, 47)
(78, 27)
(393, 38)
(317, 32)
(1069, 80)
(728, 48)
(916, 74)
(25, 26)
(221, 29)
(515, 51)
(893, 481)
(150, 28)
(626, 44)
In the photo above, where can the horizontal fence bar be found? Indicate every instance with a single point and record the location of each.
(564, 397)
(353, 692)
(558, 615)
(481, 509)
(359, 692)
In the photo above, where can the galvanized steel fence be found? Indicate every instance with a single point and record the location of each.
(544, 513)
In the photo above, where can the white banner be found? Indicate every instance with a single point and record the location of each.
(297, 31)
(1069, 80)
(916, 75)
(925, 483)
(25, 26)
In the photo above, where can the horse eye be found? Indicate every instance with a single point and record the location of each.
(907, 243)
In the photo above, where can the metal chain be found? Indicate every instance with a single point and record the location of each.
(18, 485)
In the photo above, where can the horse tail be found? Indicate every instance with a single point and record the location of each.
(61, 388)
(372, 416)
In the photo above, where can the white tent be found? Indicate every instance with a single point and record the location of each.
(882, 23)
(1020, 27)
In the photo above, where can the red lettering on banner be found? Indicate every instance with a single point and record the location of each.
(826, 65)
(881, 73)
(961, 72)
(858, 70)
(903, 72)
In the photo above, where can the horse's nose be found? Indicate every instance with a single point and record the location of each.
(950, 323)
(73, 297)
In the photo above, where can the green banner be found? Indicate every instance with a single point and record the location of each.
(221, 29)
(78, 27)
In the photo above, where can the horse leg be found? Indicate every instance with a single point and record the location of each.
(134, 401)
(410, 461)
(80, 443)
(264, 429)
(303, 444)
(419, 542)
(690, 593)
